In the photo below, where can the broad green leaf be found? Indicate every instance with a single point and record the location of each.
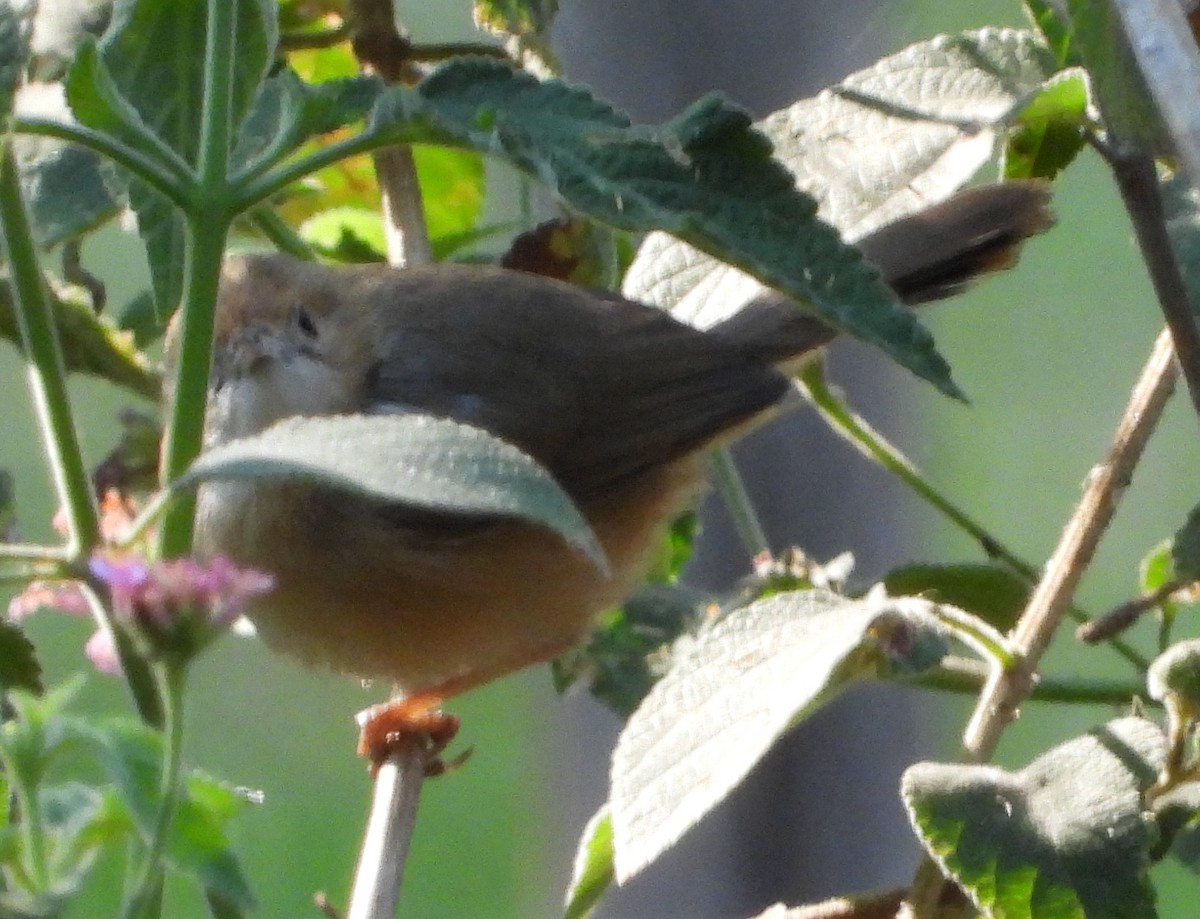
(198, 844)
(1049, 131)
(1156, 570)
(994, 594)
(707, 177)
(420, 460)
(90, 345)
(1185, 550)
(1064, 838)
(19, 664)
(593, 870)
(731, 692)
(16, 24)
(885, 142)
(347, 234)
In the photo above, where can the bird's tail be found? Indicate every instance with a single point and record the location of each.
(926, 256)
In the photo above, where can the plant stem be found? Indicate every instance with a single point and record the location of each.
(398, 780)
(206, 229)
(1031, 635)
(45, 371)
(839, 416)
(147, 891)
(732, 489)
(167, 176)
(965, 676)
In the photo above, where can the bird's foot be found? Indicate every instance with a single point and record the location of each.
(391, 726)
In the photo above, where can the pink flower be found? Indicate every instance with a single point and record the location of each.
(180, 605)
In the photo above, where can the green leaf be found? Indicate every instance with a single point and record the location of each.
(1185, 550)
(198, 845)
(19, 664)
(994, 594)
(1049, 131)
(1055, 30)
(16, 25)
(888, 140)
(1177, 817)
(1064, 837)
(166, 92)
(427, 462)
(729, 696)
(707, 177)
(593, 870)
(66, 187)
(287, 112)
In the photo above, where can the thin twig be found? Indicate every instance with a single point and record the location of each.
(1007, 688)
(380, 871)
(1047, 607)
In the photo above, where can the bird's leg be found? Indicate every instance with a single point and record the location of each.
(384, 727)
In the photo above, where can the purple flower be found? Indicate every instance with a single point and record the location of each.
(178, 606)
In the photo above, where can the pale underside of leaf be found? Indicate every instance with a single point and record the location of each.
(887, 141)
(726, 700)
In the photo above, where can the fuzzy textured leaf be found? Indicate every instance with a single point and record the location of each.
(1063, 837)
(729, 696)
(707, 177)
(592, 873)
(420, 460)
(887, 141)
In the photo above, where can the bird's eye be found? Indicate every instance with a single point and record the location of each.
(306, 323)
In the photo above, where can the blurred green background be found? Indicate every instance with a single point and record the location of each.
(1047, 355)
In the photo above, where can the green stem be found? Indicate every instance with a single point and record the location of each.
(33, 830)
(44, 365)
(280, 233)
(839, 416)
(137, 671)
(168, 175)
(977, 634)
(733, 491)
(967, 677)
(147, 891)
(207, 225)
(258, 184)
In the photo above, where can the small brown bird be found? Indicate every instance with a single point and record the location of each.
(617, 400)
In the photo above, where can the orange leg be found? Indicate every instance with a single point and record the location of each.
(386, 726)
